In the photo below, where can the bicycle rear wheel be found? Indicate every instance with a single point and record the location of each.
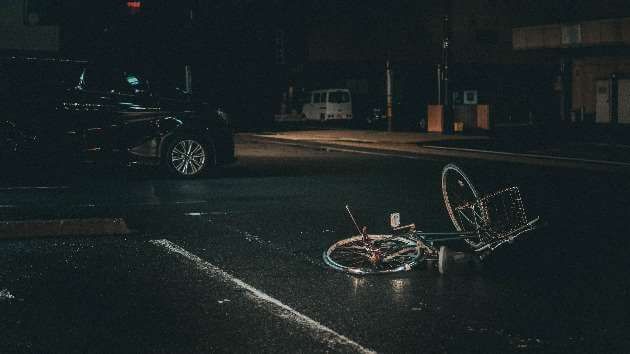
(460, 196)
(380, 254)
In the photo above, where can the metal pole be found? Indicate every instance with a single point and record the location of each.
(389, 96)
(614, 102)
(191, 38)
(439, 84)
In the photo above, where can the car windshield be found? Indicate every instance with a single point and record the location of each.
(338, 97)
(99, 79)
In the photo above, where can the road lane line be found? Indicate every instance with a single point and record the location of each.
(331, 338)
(445, 151)
(253, 238)
(33, 187)
(533, 156)
(329, 148)
(6, 295)
(101, 205)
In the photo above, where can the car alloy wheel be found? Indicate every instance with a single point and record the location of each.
(188, 157)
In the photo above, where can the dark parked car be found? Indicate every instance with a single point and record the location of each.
(56, 110)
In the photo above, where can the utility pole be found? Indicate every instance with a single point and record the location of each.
(188, 79)
(439, 84)
(389, 112)
(446, 34)
(389, 108)
(192, 35)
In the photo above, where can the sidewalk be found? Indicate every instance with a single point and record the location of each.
(522, 149)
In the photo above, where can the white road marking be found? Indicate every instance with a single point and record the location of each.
(534, 156)
(249, 237)
(32, 187)
(328, 336)
(92, 205)
(401, 154)
(192, 202)
(6, 295)
(526, 158)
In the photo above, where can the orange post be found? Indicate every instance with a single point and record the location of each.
(436, 118)
(483, 116)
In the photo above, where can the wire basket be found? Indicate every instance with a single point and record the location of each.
(500, 214)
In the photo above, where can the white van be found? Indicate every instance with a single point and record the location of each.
(328, 104)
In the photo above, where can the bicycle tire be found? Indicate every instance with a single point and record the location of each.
(458, 190)
(351, 256)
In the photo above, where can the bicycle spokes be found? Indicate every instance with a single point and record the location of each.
(380, 254)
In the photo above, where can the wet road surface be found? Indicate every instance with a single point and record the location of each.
(232, 263)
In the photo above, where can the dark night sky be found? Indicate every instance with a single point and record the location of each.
(341, 30)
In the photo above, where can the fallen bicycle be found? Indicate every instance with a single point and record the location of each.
(484, 223)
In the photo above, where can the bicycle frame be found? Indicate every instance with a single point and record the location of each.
(484, 223)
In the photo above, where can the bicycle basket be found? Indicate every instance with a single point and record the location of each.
(501, 214)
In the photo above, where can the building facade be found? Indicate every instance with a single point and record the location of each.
(589, 42)
(546, 62)
(28, 27)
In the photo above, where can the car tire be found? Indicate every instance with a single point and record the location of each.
(188, 156)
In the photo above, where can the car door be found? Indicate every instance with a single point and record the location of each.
(93, 108)
(119, 112)
(136, 113)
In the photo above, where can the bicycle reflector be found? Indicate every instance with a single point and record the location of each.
(394, 220)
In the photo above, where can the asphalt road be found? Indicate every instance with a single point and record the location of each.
(232, 262)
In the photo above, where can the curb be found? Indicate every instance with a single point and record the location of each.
(440, 151)
(533, 156)
(63, 227)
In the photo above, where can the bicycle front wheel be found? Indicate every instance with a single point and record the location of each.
(459, 197)
(378, 255)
